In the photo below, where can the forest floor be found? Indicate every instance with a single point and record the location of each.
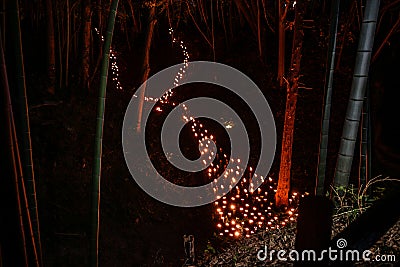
(243, 252)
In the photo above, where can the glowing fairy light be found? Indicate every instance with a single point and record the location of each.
(114, 64)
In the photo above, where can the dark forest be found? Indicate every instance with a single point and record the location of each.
(200, 133)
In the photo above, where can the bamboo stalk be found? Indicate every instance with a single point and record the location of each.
(95, 216)
(350, 20)
(9, 117)
(3, 30)
(364, 168)
(392, 30)
(212, 29)
(86, 30)
(198, 27)
(31, 230)
(358, 87)
(330, 69)
(51, 56)
(25, 126)
(260, 50)
(224, 23)
(59, 41)
(67, 44)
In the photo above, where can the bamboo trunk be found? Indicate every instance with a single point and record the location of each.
(330, 69)
(360, 77)
(3, 20)
(365, 156)
(23, 119)
(51, 54)
(12, 236)
(95, 209)
(385, 41)
(86, 30)
(67, 44)
(60, 35)
(20, 177)
(282, 194)
(347, 26)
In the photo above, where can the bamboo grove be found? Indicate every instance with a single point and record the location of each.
(71, 32)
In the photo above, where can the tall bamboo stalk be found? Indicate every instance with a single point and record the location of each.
(356, 99)
(24, 124)
(365, 152)
(51, 54)
(60, 30)
(3, 30)
(330, 69)
(11, 156)
(86, 44)
(67, 44)
(259, 40)
(94, 239)
(20, 174)
(347, 26)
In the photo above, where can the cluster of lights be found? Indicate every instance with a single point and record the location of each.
(114, 65)
(242, 213)
(178, 77)
(244, 210)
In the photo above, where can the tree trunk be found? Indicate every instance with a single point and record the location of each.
(146, 63)
(281, 43)
(51, 54)
(87, 24)
(330, 69)
(282, 194)
(356, 99)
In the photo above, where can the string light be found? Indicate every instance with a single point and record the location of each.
(114, 64)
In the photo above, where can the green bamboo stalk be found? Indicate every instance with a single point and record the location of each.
(95, 210)
(24, 122)
(330, 69)
(360, 77)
